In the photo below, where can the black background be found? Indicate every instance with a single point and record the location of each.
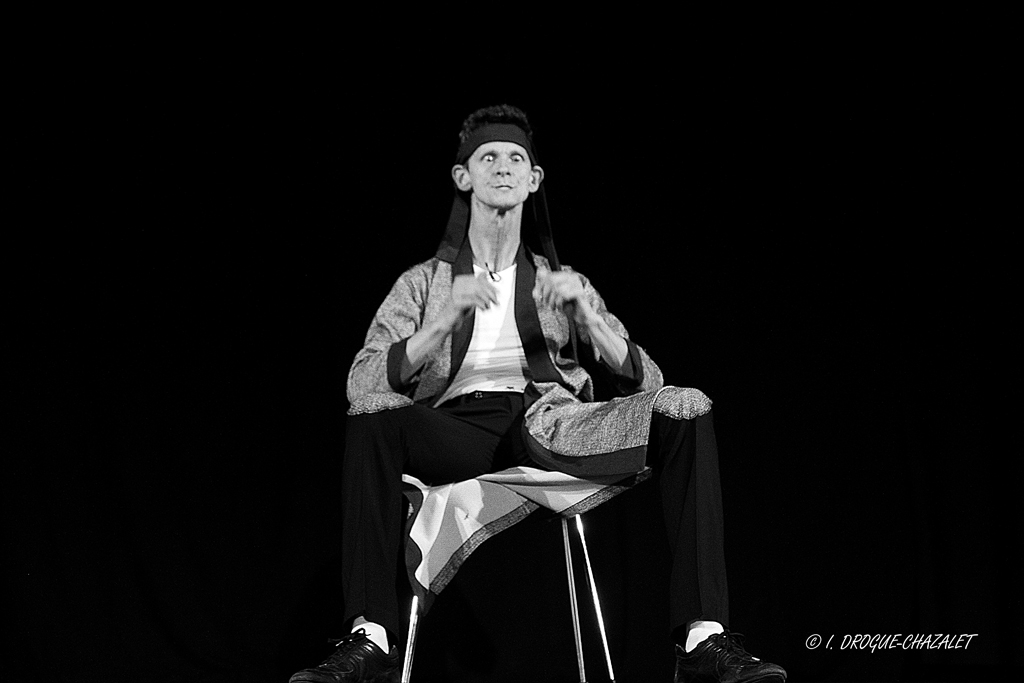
(203, 236)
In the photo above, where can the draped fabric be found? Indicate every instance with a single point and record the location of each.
(448, 522)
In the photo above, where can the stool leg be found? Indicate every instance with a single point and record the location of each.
(410, 645)
(597, 601)
(572, 601)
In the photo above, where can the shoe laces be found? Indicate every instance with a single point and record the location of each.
(731, 651)
(342, 647)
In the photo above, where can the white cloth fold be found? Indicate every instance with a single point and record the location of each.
(448, 522)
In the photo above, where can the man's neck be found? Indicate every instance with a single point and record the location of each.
(494, 235)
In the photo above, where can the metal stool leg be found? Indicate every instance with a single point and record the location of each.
(414, 614)
(572, 601)
(410, 646)
(597, 601)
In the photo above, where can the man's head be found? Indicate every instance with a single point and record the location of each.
(497, 164)
(496, 161)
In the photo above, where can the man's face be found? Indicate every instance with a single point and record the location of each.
(499, 175)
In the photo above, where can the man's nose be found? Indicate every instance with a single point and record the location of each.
(503, 166)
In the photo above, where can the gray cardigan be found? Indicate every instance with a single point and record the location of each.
(566, 430)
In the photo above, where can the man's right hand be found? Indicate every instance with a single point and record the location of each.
(468, 292)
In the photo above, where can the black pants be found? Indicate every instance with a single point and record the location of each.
(481, 433)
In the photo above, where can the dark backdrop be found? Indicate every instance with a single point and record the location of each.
(203, 238)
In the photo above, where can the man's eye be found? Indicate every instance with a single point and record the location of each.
(488, 157)
(517, 157)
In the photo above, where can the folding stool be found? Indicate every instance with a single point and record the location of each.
(482, 513)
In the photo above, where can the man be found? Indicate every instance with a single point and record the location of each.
(484, 357)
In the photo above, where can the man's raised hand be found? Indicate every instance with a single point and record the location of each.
(468, 293)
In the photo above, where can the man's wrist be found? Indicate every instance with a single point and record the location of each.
(588, 317)
(439, 329)
(447, 323)
(422, 344)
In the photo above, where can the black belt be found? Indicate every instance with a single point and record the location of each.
(478, 395)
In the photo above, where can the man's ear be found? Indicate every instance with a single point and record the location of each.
(460, 174)
(536, 177)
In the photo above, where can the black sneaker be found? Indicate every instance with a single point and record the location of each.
(356, 659)
(721, 658)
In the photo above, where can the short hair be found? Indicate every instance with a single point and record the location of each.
(499, 113)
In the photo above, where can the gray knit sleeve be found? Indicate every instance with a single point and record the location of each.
(640, 372)
(376, 368)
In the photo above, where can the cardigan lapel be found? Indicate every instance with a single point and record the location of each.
(463, 265)
(528, 322)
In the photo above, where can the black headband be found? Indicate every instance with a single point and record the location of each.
(495, 132)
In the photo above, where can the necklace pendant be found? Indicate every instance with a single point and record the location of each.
(492, 274)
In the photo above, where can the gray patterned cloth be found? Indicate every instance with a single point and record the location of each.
(566, 429)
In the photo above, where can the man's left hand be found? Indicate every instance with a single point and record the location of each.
(565, 291)
(561, 290)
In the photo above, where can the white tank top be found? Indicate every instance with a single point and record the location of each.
(495, 360)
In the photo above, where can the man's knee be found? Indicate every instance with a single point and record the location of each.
(682, 403)
(370, 404)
